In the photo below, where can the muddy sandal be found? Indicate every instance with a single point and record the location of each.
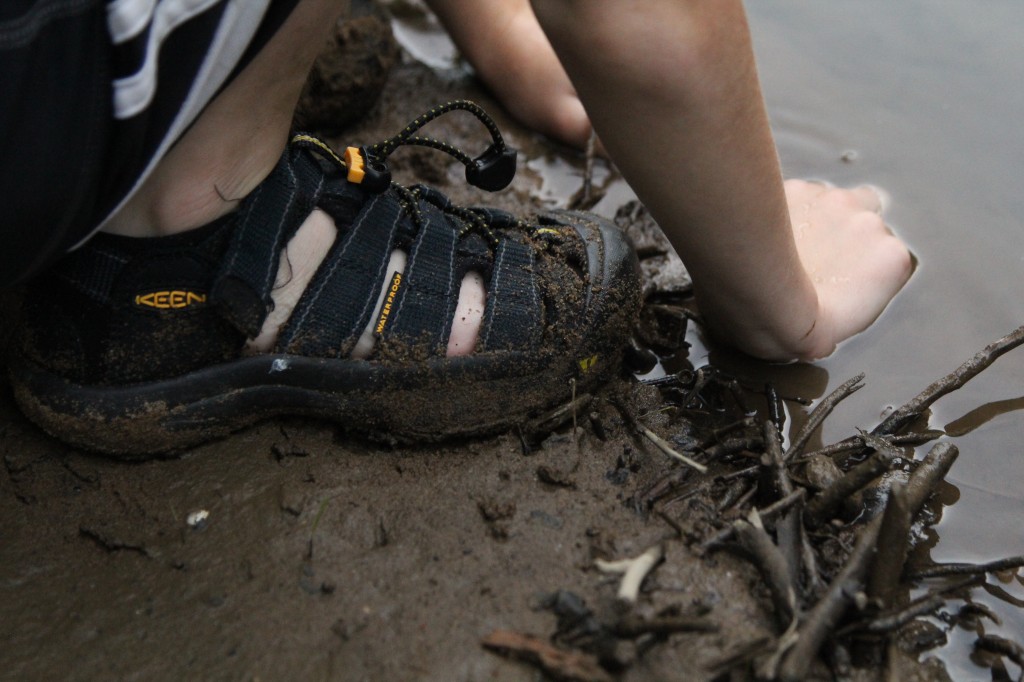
(135, 347)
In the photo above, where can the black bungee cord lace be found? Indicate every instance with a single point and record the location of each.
(492, 171)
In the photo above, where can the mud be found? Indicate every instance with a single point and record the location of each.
(293, 551)
(350, 72)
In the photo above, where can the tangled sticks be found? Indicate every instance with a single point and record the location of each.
(875, 574)
(829, 531)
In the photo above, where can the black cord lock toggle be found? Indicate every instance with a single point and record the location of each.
(493, 170)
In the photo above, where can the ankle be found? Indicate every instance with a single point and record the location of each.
(171, 202)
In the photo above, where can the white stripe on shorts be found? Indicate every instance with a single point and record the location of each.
(237, 27)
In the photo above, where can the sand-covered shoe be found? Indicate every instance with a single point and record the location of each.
(137, 346)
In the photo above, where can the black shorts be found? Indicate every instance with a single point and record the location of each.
(92, 94)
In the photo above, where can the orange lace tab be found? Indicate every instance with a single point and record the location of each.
(355, 163)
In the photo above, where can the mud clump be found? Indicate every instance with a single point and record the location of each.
(349, 75)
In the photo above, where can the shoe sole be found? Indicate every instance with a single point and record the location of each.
(428, 401)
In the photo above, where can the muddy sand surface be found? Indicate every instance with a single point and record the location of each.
(294, 551)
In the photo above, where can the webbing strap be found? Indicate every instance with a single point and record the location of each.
(267, 219)
(337, 304)
(423, 308)
(512, 319)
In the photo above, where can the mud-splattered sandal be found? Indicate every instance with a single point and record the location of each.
(136, 346)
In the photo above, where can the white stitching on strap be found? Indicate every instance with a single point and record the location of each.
(450, 312)
(494, 288)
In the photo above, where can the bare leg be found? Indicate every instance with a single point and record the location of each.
(237, 140)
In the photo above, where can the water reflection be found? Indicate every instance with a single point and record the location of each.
(982, 415)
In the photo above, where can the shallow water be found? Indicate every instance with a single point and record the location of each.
(924, 100)
(928, 96)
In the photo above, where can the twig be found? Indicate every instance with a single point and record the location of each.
(790, 534)
(915, 437)
(739, 473)
(733, 445)
(774, 510)
(885, 623)
(917, 606)
(667, 448)
(949, 383)
(769, 513)
(955, 586)
(929, 473)
(821, 508)
(734, 495)
(879, 444)
(776, 410)
(572, 384)
(717, 435)
(856, 443)
(629, 590)
(633, 571)
(672, 523)
(668, 484)
(815, 585)
(851, 444)
(570, 666)
(773, 567)
(826, 613)
(745, 498)
(941, 570)
(820, 412)
(773, 449)
(1001, 646)
(549, 421)
(312, 531)
(893, 544)
(114, 544)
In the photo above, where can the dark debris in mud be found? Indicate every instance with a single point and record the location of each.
(830, 532)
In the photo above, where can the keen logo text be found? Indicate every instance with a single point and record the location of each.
(173, 299)
(389, 300)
